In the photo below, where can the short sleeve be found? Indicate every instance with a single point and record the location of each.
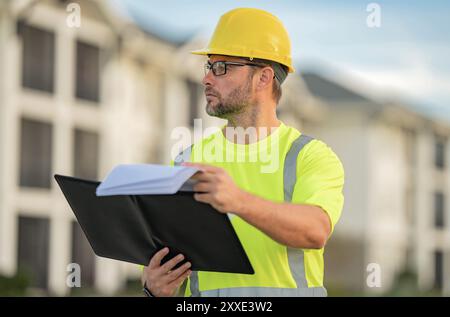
(320, 180)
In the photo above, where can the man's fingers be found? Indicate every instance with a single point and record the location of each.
(166, 267)
(204, 187)
(176, 283)
(175, 274)
(202, 176)
(155, 261)
(203, 198)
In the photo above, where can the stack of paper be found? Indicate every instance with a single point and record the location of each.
(146, 179)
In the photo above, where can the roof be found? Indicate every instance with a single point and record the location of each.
(330, 90)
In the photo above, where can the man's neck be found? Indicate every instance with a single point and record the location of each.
(264, 123)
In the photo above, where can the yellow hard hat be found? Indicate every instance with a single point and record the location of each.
(252, 33)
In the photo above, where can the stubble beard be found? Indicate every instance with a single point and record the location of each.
(236, 102)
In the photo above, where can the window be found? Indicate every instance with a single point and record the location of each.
(439, 210)
(83, 255)
(439, 157)
(194, 94)
(86, 155)
(35, 154)
(34, 249)
(37, 58)
(438, 270)
(88, 72)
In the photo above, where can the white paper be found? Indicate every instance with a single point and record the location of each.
(146, 179)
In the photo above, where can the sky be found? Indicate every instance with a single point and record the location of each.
(406, 58)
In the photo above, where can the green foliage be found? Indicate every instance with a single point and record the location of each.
(15, 285)
(406, 284)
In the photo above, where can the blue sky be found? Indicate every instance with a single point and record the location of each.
(406, 58)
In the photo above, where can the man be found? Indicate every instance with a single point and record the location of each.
(284, 217)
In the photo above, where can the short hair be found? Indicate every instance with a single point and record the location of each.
(277, 91)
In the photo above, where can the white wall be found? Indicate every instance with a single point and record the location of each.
(345, 131)
(387, 230)
(64, 112)
(8, 136)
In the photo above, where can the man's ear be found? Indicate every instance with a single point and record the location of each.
(266, 77)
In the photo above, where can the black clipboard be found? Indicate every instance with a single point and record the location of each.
(132, 228)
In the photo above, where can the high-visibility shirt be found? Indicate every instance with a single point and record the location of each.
(258, 168)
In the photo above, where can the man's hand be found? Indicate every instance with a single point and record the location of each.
(217, 188)
(161, 280)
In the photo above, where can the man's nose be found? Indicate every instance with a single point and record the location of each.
(208, 78)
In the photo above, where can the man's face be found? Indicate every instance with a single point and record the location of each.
(230, 93)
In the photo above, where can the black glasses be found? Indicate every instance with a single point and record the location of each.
(219, 68)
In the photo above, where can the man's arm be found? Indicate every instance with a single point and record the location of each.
(294, 225)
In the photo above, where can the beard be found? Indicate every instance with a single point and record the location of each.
(236, 102)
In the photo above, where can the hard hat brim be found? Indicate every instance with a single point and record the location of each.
(207, 51)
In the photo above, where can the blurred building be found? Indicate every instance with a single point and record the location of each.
(396, 211)
(79, 100)
(76, 101)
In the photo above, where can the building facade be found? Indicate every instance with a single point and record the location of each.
(396, 214)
